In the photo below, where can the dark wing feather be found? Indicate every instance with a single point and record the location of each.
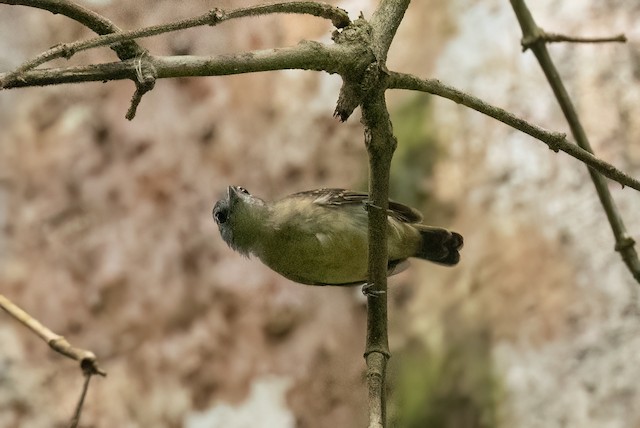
(337, 197)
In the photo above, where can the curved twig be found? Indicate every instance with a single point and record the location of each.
(90, 19)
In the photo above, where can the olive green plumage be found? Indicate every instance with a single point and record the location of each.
(319, 237)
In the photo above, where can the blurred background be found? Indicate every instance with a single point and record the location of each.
(106, 233)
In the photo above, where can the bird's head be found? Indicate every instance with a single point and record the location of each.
(238, 218)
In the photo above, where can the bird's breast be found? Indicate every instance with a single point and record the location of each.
(328, 247)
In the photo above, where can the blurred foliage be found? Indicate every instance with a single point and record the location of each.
(417, 154)
(452, 386)
(415, 159)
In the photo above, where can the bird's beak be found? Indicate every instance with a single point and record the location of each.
(232, 194)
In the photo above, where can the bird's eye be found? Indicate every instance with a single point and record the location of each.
(243, 190)
(220, 216)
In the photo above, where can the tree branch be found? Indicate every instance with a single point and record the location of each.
(146, 75)
(75, 419)
(214, 17)
(530, 31)
(555, 141)
(305, 56)
(87, 359)
(381, 144)
(385, 22)
(358, 55)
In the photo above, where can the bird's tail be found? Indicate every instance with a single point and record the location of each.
(439, 245)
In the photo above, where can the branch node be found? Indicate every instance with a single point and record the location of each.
(89, 365)
(624, 243)
(384, 352)
(216, 16)
(538, 35)
(371, 79)
(146, 75)
(555, 142)
(66, 50)
(348, 99)
(339, 17)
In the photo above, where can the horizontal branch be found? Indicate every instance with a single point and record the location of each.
(214, 17)
(546, 37)
(304, 56)
(555, 141)
(339, 17)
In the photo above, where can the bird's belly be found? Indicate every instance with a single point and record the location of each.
(319, 258)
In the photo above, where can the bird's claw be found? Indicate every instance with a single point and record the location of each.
(367, 290)
(369, 204)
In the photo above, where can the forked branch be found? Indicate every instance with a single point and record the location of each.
(214, 17)
(530, 31)
(87, 359)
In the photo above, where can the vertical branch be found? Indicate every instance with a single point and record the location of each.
(380, 145)
(533, 38)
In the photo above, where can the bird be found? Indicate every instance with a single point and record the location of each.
(320, 237)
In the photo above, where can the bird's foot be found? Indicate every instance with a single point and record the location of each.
(367, 290)
(368, 205)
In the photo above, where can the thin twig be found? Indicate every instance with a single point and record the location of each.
(87, 359)
(555, 141)
(145, 81)
(75, 419)
(339, 17)
(556, 37)
(90, 19)
(624, 243)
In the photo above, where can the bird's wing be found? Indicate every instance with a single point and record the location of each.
(338, 197)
